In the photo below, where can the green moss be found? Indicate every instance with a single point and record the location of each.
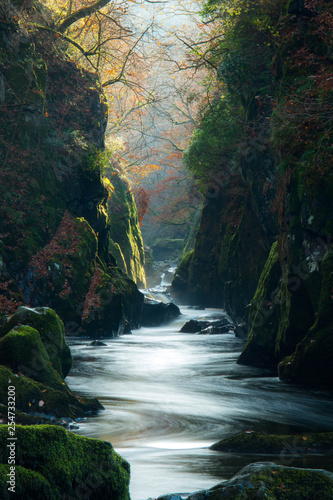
(116, 304)
(52, 333)
(29, 485)
(311, 363)
(262, 316)
(181, 277)
(124, 228)
(270, 481)
(118, 254)
(256, 442)
(70, 463)
(23, 351)
(35, 397)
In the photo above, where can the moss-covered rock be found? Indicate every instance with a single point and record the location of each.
(63, 465)
(36, 401)
(311, 363)
(124, 228)
(226, 263)
(51, 330)
(53, 213)
(28, 484)
(22, 351)
(271, 481)
(262, 317)
(113, 301)
(181, 277)
(153, 276)
(256, 442)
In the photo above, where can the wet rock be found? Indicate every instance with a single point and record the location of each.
(98, 343)
(222, 325)
(268, 480)
(216, 330)
(241, 330)
(158, 314)
(256, 442)
(194, 326)
(39, 403)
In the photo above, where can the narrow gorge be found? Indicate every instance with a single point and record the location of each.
(166, 262)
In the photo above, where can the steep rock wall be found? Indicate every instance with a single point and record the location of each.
(125, 230)
(281, 279)
(54, 221)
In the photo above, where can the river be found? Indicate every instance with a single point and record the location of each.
(168, 396)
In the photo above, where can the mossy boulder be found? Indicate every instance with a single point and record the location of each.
(36, 401)
(271, 481)
(51, 330)
(29, 361)
(22, 350)
(63, 465)
(256, 442)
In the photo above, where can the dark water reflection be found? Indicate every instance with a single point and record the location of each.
(168, 396)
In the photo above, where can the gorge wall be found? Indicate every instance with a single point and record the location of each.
(264, 249)
(57, 223)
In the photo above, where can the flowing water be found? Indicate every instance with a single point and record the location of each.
(168, 396)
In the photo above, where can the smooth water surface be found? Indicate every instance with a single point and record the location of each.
(168, 396)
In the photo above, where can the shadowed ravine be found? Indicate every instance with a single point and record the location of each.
(168, 396)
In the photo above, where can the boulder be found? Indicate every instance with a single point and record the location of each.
(53, 463)
(222, 325)
(256, 442)
(39, 403)
(159, 314)
(215, 330)
(97, 343)
(51, 330)
(268, 480)
(194, 326)
(22, 351)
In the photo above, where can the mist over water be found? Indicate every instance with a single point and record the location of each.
(168, 396)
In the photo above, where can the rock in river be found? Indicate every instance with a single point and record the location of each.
(268, 480)
(158, 314)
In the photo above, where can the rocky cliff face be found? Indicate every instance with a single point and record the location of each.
(125, 234)
(263, 250)
(54, 222)
(230, 249)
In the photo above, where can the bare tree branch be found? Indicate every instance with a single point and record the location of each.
(121, 74)
(81, 14)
